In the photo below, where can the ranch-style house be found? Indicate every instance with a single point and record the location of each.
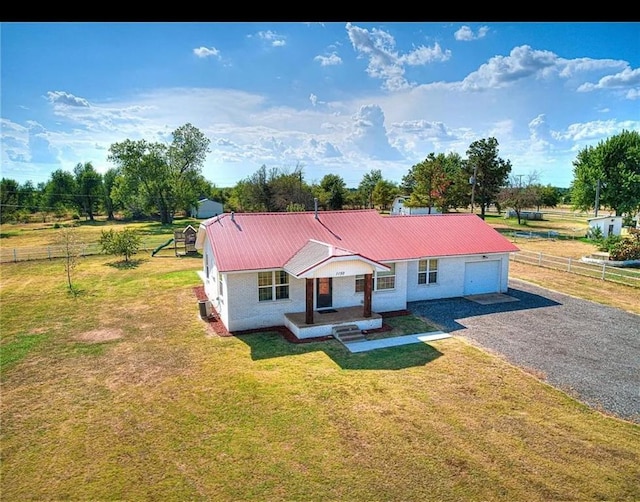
(296, 269)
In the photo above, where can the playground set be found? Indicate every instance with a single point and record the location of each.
(184, 242)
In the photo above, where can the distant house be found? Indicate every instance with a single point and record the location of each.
(608, 225)
(298, 269)
(399, 207)
(206, 208)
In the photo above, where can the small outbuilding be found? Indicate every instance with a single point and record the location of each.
(207, 208)
(399, 208)
(608, 225)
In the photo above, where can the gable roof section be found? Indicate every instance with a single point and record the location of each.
(255, 241)
(315, 254)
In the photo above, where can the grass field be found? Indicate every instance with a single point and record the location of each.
(123, 393)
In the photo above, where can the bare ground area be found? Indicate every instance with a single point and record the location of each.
(100, 335)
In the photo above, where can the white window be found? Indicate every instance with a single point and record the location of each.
(381, 280)
(428, 271)
(386, 280)
(273, 285)
(220, 292)
(360, 283)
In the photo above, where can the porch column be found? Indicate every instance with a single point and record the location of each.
(367, 294)
(309, 303)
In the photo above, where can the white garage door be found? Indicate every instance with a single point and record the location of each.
(482, 277)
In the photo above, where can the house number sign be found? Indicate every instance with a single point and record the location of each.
(340, 273)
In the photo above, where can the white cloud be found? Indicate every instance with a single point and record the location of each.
(626, 79)
(369, 134)
(313, 98)
(66, 99)
(384, 61)
(329, 60)
(633, 94)
(575, 67)
(501, 71)
(273, 38)
(597, 129)
(465, 33)
(205, 52)
(423, 55)
(539, 129)
(323, 149)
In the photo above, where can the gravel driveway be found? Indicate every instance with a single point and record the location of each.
(586, 349)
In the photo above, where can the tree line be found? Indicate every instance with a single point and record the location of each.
(166, 179)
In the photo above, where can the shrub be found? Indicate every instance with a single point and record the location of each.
(609, 243)
(627, 248)
(125, 243)
(595, 234)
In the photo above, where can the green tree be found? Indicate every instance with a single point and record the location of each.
(609, 172)
(458, 192)
(166, 177)
(430, 182)
(288, 188)
(550, 196)
(366, 186)
(60, 191)
(125, 242)
(8, 199)
(89, 189)
(332, 191)
(383, 193)
(518, 196)
(29, 197)
(271, 189)
(487, 172)
(108, 181)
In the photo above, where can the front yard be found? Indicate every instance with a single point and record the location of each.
(123, 392)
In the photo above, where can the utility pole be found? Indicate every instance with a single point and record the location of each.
(519, 179)
(597, 198)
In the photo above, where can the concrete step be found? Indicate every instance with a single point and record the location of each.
(348, 333)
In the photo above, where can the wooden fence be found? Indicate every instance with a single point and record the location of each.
(627, 276)
(50, 252)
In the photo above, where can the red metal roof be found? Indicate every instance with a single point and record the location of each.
(254, 241)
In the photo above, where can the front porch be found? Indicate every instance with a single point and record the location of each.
(324, 322)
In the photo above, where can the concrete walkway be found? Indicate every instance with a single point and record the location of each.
(366, 345)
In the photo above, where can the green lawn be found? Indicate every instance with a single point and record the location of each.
(123, 393)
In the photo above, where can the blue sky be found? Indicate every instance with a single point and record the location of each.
(333, 98)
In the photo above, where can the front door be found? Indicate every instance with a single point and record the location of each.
(324, 288)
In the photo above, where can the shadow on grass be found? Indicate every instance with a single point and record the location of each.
(272, 344)
(127, 265)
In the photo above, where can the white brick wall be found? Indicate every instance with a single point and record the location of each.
(450, 278)
(240, 309)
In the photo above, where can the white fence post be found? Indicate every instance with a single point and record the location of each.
(15, 255)
(569, 270)
(540, 259)
(604, 270)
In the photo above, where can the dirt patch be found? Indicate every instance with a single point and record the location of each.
(100, 335)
